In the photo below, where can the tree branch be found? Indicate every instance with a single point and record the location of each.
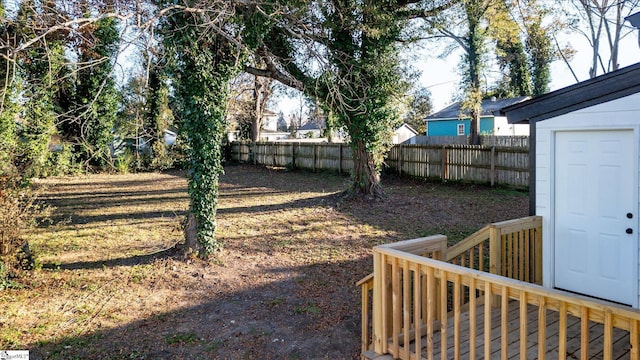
(425, 13)
(273, 73)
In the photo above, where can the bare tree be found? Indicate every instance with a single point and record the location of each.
(261, 93)
(468, 26)
(602, 24)
(248, 101)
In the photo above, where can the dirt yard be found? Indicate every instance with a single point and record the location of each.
(106, 287)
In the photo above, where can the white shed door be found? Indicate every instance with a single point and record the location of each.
(595, 210)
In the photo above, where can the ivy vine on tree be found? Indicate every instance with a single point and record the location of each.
(202, 64)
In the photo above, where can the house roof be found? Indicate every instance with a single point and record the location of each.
(490, 107)
(309, 126)
(269, 131)
(267, 112)
(601, 89)
(405, 125)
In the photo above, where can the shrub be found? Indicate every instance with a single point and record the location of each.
(62, 162)
(171, 157)
(18, 212)
(162, 160)
(125, 161)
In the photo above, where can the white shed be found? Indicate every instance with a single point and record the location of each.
(585, 164)
(404, 134)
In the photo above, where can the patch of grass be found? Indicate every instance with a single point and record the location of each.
(217, 260)
(181, 338)
(214, 346)
(133, 355)
(41, 328)
(161, 317)
(276, 302)
(65, 348)
(309, 308)
(10, 338)
(140, 272)
(286, 233)
(510, 191)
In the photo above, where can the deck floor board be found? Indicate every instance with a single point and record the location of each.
(621, 349)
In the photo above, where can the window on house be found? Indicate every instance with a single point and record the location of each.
(460, 129)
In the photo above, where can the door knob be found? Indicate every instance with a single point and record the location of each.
(629, 231)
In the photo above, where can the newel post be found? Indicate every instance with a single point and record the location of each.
(437, 296)
(495, 258)
(378, 318)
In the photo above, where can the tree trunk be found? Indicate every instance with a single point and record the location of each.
(474, 135)
(475, 50)
(191, 244)
(366, 179)
(256, 124)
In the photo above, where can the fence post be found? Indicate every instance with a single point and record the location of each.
(340, 158)
(493, 165)
(400, 159)
(444, 163)
(293, 155)
(253, 151)
(314, 157)
(275, 153)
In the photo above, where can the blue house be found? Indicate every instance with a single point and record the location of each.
(453, 121)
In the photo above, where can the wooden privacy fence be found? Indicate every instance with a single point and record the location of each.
(493, 165)
(486, 140)
(308, 156)
(483, 164)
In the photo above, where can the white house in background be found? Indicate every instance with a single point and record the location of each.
(268, 132)
(453, 121)
(310, 130)
(273, 135)
(404, 134)
(585, 165)
(269, 120)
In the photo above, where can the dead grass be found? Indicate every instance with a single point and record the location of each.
(283, 288)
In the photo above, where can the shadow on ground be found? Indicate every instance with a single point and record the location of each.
(281, 293)
(123, 261)
(279, 320)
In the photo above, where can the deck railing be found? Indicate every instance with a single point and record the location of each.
(510, 248)
(412, 302)
(434, 247)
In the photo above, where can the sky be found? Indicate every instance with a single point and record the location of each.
(441, 76)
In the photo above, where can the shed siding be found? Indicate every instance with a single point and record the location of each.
(617, 114)
(502, 127)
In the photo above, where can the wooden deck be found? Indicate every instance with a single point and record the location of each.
(621, 343)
